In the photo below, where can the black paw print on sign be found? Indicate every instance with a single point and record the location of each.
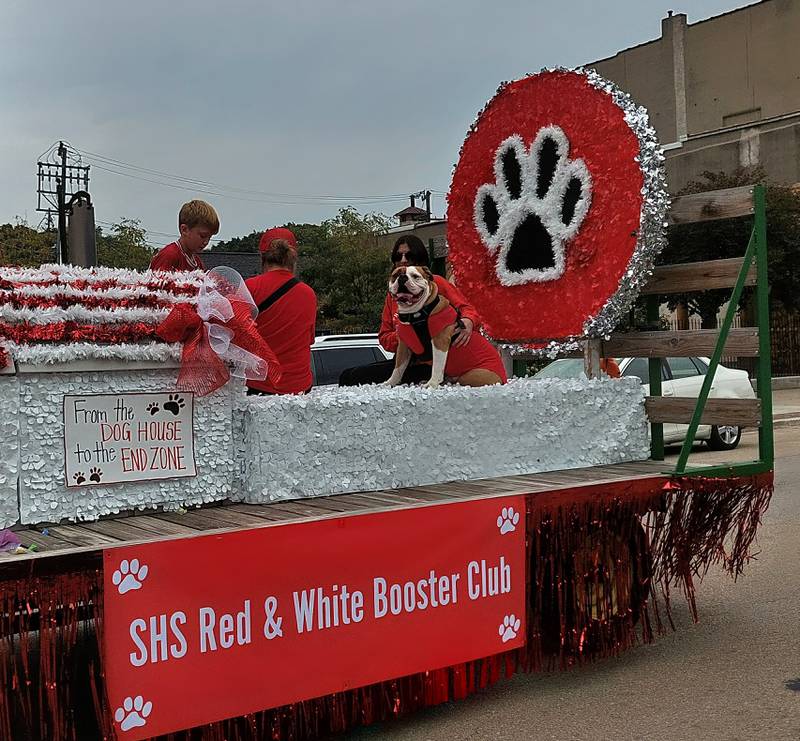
(175, 404)
(95, 474)
(537, 204)
(79, 477)
(153, 408)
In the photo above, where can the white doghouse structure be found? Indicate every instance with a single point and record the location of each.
(263, 449)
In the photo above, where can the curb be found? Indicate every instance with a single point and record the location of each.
(787, 421)
(780, 383)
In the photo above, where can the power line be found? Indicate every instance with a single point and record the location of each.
(195, 189)
(169, 235)
(118, 167)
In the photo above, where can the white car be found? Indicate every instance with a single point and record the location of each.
(679, 377)
(331, 354)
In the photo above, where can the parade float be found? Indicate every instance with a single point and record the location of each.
(201, 563)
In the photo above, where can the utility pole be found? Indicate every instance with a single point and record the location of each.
(61, 188)
(425, 195)
(61, 175)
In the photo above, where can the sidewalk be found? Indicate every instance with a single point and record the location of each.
(786, 407)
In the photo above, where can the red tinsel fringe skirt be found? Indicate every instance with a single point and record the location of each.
(602, 564)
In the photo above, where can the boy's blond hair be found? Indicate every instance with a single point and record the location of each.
(199, 213)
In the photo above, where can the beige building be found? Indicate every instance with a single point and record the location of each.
(723, 92)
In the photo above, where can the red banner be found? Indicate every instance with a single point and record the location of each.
(201, 629)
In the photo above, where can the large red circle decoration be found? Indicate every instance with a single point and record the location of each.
(556, 209)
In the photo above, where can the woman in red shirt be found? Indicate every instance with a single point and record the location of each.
(410, 250)
(287, 313)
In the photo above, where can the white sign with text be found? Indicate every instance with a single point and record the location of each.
(134, 436)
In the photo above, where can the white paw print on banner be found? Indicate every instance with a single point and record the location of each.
(133, 713)
(507, 520)
(129, 575)
(509, 628)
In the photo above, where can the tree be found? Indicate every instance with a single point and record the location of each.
(125, 246)
(248, 243)
(714, 240)
(24, 246)
(311, 235)
(345, 263)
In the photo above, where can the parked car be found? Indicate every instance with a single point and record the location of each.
(679, 377)
(331, 354)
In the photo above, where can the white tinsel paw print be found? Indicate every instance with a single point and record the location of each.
(537, 204)
(509, 628)
(133, 713)
(129, 576)
(507, 520)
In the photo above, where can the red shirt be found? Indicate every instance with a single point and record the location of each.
(172, 257)
(387, 335)
(288, 328)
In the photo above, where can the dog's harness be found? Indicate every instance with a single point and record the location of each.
(418, 322)
(416, 330)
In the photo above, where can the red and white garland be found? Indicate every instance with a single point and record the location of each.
(59, 313)
(187, 283)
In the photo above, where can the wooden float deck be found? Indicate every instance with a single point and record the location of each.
(72, 546)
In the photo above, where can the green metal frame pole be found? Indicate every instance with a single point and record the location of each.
(764, 369)
(733, 305)
(654, 367)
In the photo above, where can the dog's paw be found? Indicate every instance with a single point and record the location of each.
(537, 204)
(433, 384)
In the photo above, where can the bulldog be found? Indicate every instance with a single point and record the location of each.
(425, 327)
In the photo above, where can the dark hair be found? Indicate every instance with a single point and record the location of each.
(279, 254)
(417, 252)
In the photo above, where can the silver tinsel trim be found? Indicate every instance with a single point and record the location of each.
(652, 221)
(69, 352)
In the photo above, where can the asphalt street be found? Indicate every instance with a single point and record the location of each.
(733, 676)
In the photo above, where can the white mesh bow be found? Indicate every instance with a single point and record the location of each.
(221, 286)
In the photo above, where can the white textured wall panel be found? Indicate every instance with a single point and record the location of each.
(9, 450)
(366, 438)
(43, 496)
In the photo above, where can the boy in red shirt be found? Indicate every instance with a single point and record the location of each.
(287, 313)
(197, 223)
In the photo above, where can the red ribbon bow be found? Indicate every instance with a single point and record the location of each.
(203, 371)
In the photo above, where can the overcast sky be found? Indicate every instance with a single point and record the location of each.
(350, 99)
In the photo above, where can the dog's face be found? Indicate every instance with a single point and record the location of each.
(411, 286)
